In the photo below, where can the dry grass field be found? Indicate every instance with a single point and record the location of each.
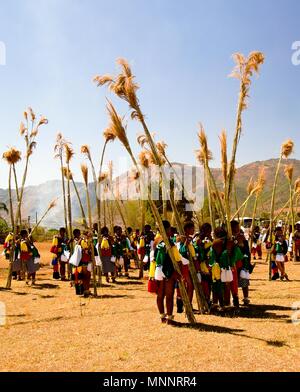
(48, 328)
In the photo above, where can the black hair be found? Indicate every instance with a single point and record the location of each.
(234, 223)
(206, 226)
(23, 233)
(189, 225)
(220, 232)
(76, 233)
(104, 230)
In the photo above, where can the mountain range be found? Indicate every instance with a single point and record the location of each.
(37, 198)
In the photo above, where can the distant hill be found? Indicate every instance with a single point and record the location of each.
(37, 198)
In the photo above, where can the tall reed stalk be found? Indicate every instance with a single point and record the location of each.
(120, 132)
(243, 71)
(30, 144)
(85, 173)
(58, 150)
(286, 150)
(288, 171)
(259, 186)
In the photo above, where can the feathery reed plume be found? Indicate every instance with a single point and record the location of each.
(161, 147)
(297, 185)
(288, 171)
(43, 121)
(12, 156)
(109, 135)
(67, 173)
(243, 71)
(32, 114)
(103, 177)
(144, 159)
(250, 186)
(69, 153)
(261, 178)
(142, 140)
(285, 151)
(117, 127)
(85, 173)
(204, 154)
(85, 149)
(23, 129)
(287, 148)
(102, 80)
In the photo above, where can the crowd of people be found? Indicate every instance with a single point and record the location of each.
(223, 264)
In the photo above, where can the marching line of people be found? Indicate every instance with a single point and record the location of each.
(223, 265)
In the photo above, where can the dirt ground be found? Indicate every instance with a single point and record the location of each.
(48, 328)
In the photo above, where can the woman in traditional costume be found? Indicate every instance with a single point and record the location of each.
(81, 273)
(29, 257)
(120, 252)
(280, 252)
(165, 275)
(61, 254)
(106, 255)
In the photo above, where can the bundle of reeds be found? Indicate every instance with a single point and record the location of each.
(125, 87)
(258, 188)
(69, 176)
(69, 153)
(289, 171)
(285, 151)
(85, 175)
(29, 131)
(58, 150)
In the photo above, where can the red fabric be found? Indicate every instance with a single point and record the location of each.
(152, 286)
(185, 272)
(206, 289)
(25, 256)
(239, 265)
(258, 250)
(54, 250)
(106, 252)
(86, 258)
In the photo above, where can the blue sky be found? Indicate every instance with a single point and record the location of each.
(180, 52)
